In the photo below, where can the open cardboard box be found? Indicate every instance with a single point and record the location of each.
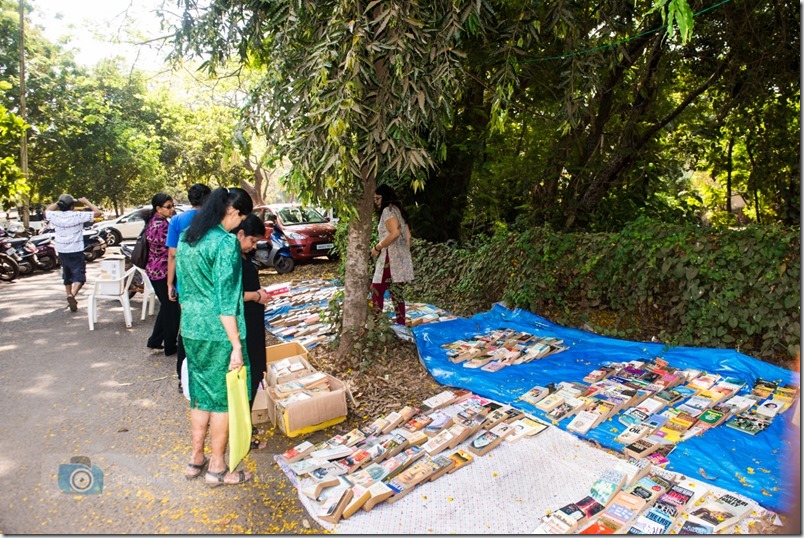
(295, 353)
(320, 411)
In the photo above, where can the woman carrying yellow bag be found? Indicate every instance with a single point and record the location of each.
(212, 326)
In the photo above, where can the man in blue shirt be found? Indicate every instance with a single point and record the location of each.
(196, 194)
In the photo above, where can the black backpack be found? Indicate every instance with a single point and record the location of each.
(139, 256)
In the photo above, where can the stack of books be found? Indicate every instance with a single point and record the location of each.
(495, 349)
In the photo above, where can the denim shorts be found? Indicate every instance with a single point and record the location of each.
(73, 267)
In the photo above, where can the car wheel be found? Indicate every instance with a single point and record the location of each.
(284, 264)
(113, 237)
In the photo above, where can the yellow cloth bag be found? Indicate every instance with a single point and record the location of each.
(239, 416)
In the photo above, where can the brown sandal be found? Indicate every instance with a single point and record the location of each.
(219, 479)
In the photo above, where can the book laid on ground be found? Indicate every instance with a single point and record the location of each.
(306, 465)
(439, 421)
(590, 507)
(722, 512)
(646, 489)
(441, 465)
(583, 422)
(405, 481)
(360, 494)
(567, 409)
(768, 409)
(483, 442)
(739, 404)
(634, 470)
(606, 486)
(378, 492)
(438, 443)
(523, 427)
(353, 437)
(534, 395)
(395, 444)
(394, 419)
(659, 457)
(652, 521)
(333, 453)
(550, 402)
(553, 525)
(312, 487)
(333, 506)
(641, 448)
(634, 433)
(632, 417)
(298, 452)
(691, 526)
(675, 501)
(417, 423)
(356, 460)
(572, 515)
(601, 526)
(461, 458)
(624, 509)
(459, 433)
(748, 423)
(440, 400)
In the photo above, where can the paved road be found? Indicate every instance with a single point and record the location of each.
(70, 392)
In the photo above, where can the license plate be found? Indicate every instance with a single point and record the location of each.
(325, 246)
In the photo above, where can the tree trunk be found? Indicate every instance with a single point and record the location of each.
(356, 278)
(729, 166)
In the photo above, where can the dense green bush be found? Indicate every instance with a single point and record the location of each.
(684, 284)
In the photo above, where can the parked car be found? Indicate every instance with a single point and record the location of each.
(308, 232)
(127, 226)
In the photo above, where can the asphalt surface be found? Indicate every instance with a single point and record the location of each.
(68, 392)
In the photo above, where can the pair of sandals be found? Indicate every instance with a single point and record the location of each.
(213, 479)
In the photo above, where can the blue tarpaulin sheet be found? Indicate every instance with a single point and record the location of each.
(757, 466)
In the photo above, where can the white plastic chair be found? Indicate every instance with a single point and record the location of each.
(148, 294)
(110, 289)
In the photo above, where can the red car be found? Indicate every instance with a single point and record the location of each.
(308, 232)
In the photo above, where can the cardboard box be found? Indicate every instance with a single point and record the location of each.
(259, 411)
(320, 411)
(112, 268)
(295, 353)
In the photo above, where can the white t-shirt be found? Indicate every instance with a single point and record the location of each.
(69, 227)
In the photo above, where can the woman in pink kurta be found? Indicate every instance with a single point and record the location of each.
(394, 265)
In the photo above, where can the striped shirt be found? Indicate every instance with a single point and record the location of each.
(69, 226)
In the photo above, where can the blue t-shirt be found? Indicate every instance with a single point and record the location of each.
(177, 225)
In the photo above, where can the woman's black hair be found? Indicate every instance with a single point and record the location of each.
(389, 198)
(214, 209)
(197, 193)
(159, 199)
(252, 226)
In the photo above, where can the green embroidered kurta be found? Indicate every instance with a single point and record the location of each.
(211, 286)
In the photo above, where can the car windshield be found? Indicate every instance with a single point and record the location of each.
(300, 215)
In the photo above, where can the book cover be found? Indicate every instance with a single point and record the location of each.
(601, 526)
(633, 469)
(483, 442)
(360, 494)
(417, 423)
(534, 395)
(750, 423)
(722, 512)
(571, 515)
(590, 507)
(378, 492)
(634, 433)
(332, 508)
(461, 458)
(605, 487)
(441, 465)
(641, 448)
(298, 452)
(438, 443)
(305, 466)
(695, 527)
(677, 496)
(550, 402)
(768, 409)
(583, 422)
(646, 489)
(624, 508)
(439, 421)
(353, 437)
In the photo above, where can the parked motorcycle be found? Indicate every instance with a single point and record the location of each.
(26, 251)
(274, 253)
(94, 245)
(9, 261)
(45, 253)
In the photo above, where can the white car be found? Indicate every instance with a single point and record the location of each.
(127, 226)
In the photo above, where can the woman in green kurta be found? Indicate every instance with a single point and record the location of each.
(212, 325)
